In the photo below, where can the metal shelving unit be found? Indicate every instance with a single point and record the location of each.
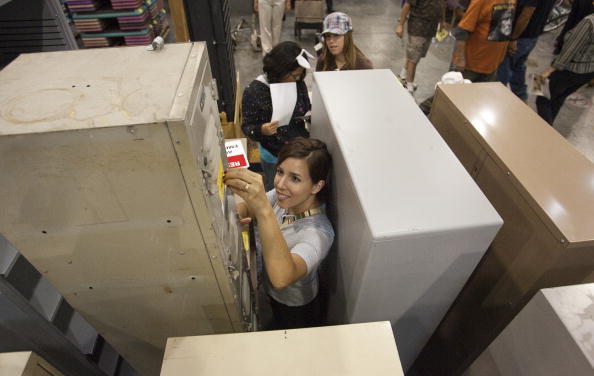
(33, 26)
(35, 317)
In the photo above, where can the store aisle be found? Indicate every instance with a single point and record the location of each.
(374, 22)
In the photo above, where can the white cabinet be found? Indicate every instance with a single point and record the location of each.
(25, 363)
(411, 224)
(552, 335)
(341, 350)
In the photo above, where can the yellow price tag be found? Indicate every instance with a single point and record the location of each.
(246, 240)
(220, 183)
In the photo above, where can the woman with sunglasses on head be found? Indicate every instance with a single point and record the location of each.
(339, 51)
(286, 62)
(293, 233)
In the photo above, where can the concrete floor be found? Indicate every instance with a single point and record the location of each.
(374, 22)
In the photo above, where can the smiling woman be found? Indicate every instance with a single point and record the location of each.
(293, 233)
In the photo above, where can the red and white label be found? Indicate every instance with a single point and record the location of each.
(236, 155)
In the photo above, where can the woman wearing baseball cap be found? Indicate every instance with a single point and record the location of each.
(339, 51)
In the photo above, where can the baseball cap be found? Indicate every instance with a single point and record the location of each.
(337, 23)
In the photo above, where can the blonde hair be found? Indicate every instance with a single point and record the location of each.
(349, 51)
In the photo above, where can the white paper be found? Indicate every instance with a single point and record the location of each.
(539, 85)
(236, 155)
(284, 98)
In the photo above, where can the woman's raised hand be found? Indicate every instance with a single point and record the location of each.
(268, 129)
(249, 186)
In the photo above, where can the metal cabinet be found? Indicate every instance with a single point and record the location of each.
(111, 163)
(410, 223)
(552, 335)
(543, 189)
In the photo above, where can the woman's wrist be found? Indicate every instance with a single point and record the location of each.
(264, 213)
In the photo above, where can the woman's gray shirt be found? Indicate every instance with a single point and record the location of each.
(311, 239)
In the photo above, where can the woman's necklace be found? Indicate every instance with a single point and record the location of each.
(290, 218)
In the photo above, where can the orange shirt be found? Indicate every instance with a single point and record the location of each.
(490, 24)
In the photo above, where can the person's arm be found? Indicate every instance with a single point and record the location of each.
(283, 267)
(462, 32)
(255, 5)
(287, 5)
(402, 21)
(521, 22)
(459, 55)
(575, 41)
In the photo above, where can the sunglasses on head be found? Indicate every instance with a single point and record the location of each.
(302, 60)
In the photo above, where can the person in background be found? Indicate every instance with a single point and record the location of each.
(573, 68)
(339, 51)
(293, 233)
(270, 16)
(482, 37)
(423, 18)
(286, 62)
(579, 10)
(529, 25)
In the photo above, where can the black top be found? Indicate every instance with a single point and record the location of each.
(539, 17)
(257, 110)
(579, 10)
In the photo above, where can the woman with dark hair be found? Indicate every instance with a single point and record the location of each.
(286, 62)
(293, 233)
(339, 50)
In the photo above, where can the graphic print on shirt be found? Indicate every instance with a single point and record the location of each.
(502, 20)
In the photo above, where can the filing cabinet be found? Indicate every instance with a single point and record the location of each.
(112, 163)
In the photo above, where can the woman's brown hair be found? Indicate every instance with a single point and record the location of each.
(350, 52)
(317, 157)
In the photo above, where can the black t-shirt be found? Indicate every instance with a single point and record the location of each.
(257, 110)
(424, 17)
(539, 17)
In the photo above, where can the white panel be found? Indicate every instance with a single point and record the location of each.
(411, 224)
(345, 350)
